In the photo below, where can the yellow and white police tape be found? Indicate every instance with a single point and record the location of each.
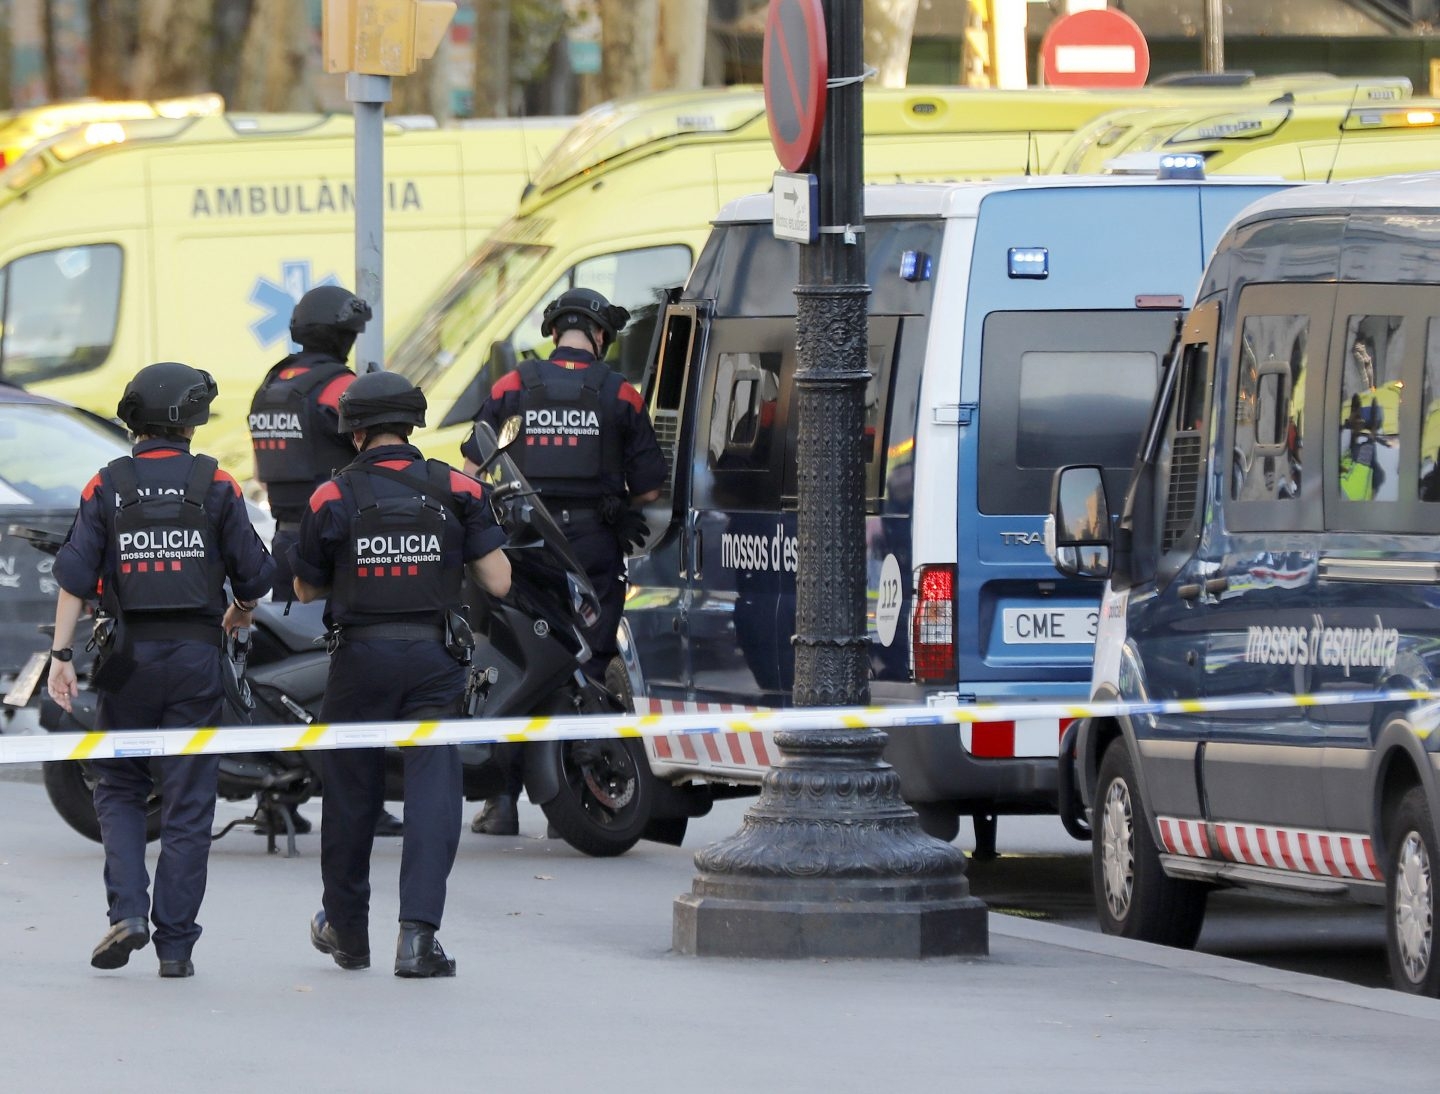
(277, 738)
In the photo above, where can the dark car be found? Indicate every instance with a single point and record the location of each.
(48, 452)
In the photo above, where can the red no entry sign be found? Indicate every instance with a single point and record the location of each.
(1096, 48)
(796, 70)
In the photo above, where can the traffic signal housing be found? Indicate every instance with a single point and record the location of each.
(382, 37)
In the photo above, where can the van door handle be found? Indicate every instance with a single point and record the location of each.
(1189, 591)
(1212, 586)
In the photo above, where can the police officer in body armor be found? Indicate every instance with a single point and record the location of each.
(388, 541)
(295, 430)
(590, 449)
(160, 532)
(294, 423)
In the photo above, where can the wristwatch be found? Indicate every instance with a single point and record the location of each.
(63, 655)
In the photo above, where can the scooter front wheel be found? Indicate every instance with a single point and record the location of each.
(605, 798)
(71, 790)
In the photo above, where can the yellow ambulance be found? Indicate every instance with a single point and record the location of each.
(190, 239)
(624, 202)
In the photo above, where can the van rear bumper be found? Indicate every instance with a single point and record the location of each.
(934, 766)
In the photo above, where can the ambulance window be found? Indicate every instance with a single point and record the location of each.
(743, 412)
(1371, 390)
(633, 279)
(1430, 416)
(1269, 407)
(59, 312)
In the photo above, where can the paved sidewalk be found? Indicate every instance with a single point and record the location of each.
(566, 982)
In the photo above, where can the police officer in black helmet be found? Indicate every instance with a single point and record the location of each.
(388, 541)
(590, 449)
(295, 429)
(294, 417)
(161, 531)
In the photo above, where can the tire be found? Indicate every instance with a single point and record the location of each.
(617, 682)
(1134, 898)
(605, 797)
(1410, 897)
(71, 790)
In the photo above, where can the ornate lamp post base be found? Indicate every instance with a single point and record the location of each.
(830, 862)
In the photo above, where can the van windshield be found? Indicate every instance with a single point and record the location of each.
(463, 308)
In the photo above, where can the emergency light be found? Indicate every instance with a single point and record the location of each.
(915, 266)
(1181, 165)
(1030, 263)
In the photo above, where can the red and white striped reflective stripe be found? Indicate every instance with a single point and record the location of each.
(755, 751)
(1299, 850)
(1011, 740)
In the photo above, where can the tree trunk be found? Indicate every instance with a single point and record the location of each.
(273, 61)
(628, 33)
(889, 27)
(113, 25)
(174, 53)
(427, 90)
(680, 52)
(49, 50)
(7, 98)
(491, 83)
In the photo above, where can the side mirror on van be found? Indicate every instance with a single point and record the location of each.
(1077, 531)
(502, 360)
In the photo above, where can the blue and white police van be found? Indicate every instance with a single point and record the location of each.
(1014, 327)
(1277, 539)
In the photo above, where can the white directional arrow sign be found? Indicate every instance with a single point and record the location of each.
(794, 198)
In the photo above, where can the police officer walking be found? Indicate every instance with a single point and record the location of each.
(388, 541)
(590, 449)
(295, 430)
(160, 531)
(294, 417)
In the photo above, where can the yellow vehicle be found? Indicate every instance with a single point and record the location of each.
(1143, 128)
(623, 205)
(1306, 142)
(26, 128)
(123, 243)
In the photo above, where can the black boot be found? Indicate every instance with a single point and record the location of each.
(348, 954)
(500, 817)
(123, 939)
(418, 953)
(389, 825)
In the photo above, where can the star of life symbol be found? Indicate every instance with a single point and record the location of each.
(278, 299)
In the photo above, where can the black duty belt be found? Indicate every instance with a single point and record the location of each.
(577, 516)
(410, 632)
(287, 526)
(169, 630)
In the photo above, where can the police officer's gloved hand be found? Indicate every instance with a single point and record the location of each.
(632, 531)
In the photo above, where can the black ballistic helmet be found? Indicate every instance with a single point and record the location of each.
(572, 309)
(166, 395)
(381, 398)
(327, 319)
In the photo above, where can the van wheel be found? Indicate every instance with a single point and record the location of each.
(617, 683)
(938, 819)
(1133, 896)
(1410, 898)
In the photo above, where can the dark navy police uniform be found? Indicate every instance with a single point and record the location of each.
(163, 566)
(587, 438)
(392, 554)
(295, 430)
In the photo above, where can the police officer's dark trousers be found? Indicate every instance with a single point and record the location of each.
(598, 551)
(388, 679)
(287, 534)
(174, 685)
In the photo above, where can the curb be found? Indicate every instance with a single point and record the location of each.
(1229, 969)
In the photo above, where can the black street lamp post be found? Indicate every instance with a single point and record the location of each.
(830, 861)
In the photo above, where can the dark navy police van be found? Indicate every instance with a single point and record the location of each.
(1278, 537)
(1014, 327)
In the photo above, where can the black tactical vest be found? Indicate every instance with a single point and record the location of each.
(571, 435)
(166, 557)
(293, 441)
(394, 561)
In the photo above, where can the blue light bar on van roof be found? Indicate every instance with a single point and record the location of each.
(915, 266)
(1181, 165)
(1030, 262)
